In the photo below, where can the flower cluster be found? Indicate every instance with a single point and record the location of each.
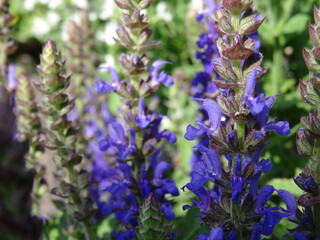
(16, 220)
(201, 84)
(308, 138)
(133, 167)
(61, 136)
(237, 127)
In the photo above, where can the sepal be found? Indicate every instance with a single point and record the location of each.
(152, 224)
(237, 6)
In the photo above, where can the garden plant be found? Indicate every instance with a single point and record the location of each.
(159, 119)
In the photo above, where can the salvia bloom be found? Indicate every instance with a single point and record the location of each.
(134, 166)
(29, 128)
(237, 126)
(16, 220)
(7, 45)
(201, 84)
(61, 137)
(307, 139)
(82, 62)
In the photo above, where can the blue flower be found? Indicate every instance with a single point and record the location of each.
(141, 119)
(214, 113)
(206, 168)
(102, 86)
(162, 76)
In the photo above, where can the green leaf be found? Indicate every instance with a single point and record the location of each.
(296, 24)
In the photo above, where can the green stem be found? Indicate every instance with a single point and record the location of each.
(3, 60)
(316, 149)
(236, 22)
(316, 212)
(88, 231)
(240, 126)
(277, 73)
(76, 198)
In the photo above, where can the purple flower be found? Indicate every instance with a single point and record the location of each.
(141, 119)
(214, 112)
(12, 81)
(162, 76)
(102, 86)
(206, 168)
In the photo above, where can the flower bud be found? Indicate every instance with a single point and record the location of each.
(311, 61)
(308, 93)
(124, 4)
(312, 122)
(237, 52)
(254, 141)
(249, 24)
(124, 38)
(152, 224)
(144, 36)
(144, 4)
(314, 34)
(237, 6)
(315, 81)
(316, 13)
(304, 144)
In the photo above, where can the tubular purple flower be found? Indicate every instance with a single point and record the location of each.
(141, 119)
(263, 196)
(250, 84)
(192, 133)
(102, 86)
(290, 202)
(12, 81)
(214, 112)
(162, 76)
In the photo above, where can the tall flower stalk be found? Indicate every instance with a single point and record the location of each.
(61, 137)
(308, 143)
(82, 62)
(7, 45)
(29, 128)
(16, 220)
(135, 167)
(237, 125)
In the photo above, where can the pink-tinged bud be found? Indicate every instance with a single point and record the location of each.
(249, 25)
(225, 85)
(316, 53)
(314, 35)
(225, 70)
(144, 36)
(237, 5)
(308, 93)
(310, 61)
(312, 122)
(148, 46)
(249, 171)
(144, 4)
(238, 51)
(316, 13)
(304, 146)
(124, 4)
(254, 141)
(219, 145)
(124, 37)
(228, 104)
(315, 81)
(222, 22)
